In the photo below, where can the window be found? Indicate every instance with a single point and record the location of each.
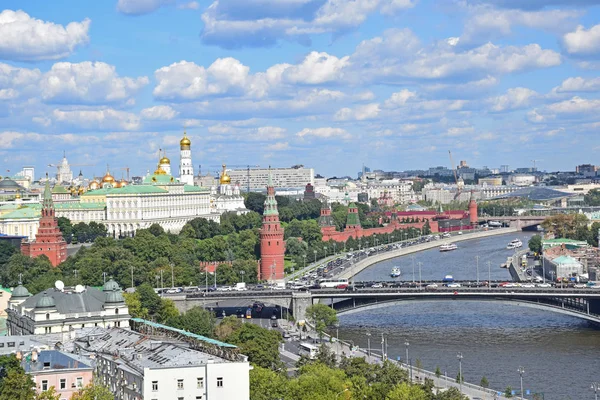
(44, 385)
(116, 310)
(79, 381)
(154, 386)
(198, 397)
(47, 316)
(46, 364)
(11, 344)
(179, 384)
(219, 382)
(200, 382)
(63, 383)
(21, 343)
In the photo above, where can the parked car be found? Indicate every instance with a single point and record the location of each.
(431, 286)
(453, 285)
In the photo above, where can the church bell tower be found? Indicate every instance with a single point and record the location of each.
(186, 169)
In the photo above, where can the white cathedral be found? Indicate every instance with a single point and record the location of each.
(227, 197)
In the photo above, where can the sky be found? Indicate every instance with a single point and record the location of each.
(330, 84)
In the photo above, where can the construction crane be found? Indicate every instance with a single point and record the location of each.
(534, 161)
(247, 166)
(459, 187)
(126, 169)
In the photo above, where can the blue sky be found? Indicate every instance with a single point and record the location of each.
(330, 84)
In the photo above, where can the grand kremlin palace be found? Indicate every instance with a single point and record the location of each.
(123, 208)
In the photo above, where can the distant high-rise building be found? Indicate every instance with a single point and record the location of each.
(64, 173)
(587, 170)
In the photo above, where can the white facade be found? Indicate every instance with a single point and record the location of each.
(64, 173)
(399, 190)
(521, 180)
(282, 177)
(186, 168)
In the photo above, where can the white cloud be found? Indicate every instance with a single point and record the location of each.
(269, 133)
(9, 138)
(279, 146)
(486, 23)
(399, 98)
(316, 68)
(578, 84)
(23, 38)
(576, 105)
(324, 132)
(88, 83)
(162, 112)
(140, 7)
(358, 113)
(583, 42)
(97, 119)
(254, 23)
(459, 130)
(514, 98)
(192, 5)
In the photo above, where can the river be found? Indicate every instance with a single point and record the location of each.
(560, 354)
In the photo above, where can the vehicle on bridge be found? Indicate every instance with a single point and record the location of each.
(335, 283)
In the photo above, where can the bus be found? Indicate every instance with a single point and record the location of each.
(335, 283)
(308, 350)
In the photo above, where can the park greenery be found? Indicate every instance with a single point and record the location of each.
(572, 226)
(81, 232)
(321, 317)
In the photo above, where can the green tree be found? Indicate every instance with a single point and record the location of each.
(438, 372)
(404, 391)
(535, 244)
(149, 299)
(266, 384)
(167, 311)
(93, 391)
(459, 378)
(255, 202)
(17, 385)
(317, 381)
(592, 198)
(196, 320)
(484, 382)
(508, 392)
(156, 230)
(259, 344)
(134, 305)
(321, 316)
(49, 394)
(450, 394)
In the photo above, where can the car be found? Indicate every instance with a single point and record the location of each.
(528, 285)
(453, 285)
(544, 285)
(431, 286)
(259, 287)
(377, 285)
(580, 286)
(460, 232)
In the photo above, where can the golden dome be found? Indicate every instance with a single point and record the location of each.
(164, 160)
(117, 184)
(81, 190)
(123, 183)
(185, 143)
(108, 178)
(17, 195)
(225, 179)
(94, 185)
(159, 171)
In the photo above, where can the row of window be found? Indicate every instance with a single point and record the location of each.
(199, 383)
(63, 384)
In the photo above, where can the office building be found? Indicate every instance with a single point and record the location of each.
(296, 177)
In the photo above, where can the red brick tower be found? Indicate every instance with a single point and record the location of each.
(272, 246)
(49, 240)
(473, 211)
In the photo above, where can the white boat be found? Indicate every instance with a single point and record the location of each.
(448, 247)
(395, 272)
(514, 244)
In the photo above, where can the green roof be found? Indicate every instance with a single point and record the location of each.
(190, 188)
(352, 219)
(25, 212)
(76, 205)
(159, 179)
(129, 189)
(568, 243)
(185, 333)
(565, 260)
(58, 189)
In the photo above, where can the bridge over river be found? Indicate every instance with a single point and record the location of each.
(581, 303)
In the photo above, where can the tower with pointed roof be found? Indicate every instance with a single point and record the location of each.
(473, 219)
(352, 220)
(49, 240)
(325, 219)
(272, 246)
(186, 169)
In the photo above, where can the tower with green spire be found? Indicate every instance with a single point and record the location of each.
(352, 220)
(272, 245)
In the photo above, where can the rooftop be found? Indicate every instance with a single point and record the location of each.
(535, 193)
(69, 301)
(48, 360)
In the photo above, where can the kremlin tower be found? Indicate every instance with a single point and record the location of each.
(272, 246)
(49, 240)
(186, 169)
(473, 212)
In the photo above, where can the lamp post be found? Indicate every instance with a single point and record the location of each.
(337, 331)
(334, 247)
(521, 371)
(489, 275)
(595, 387)
(413, 265)
(543, 268)
(369, 345)
(272, 274)
(352, 268)
(104, 277)
(477, 261)
(304, 257)
(460, 376)
(162, 285)
(242, 274)
(420, 264)
(382, 347)
(407, 344)
(172, 276)
(315, 256)
(325, 250)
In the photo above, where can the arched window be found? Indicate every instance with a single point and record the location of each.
(47, 316)
(116, 310)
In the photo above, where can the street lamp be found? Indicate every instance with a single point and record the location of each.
(334, 247)
(242, 274)
(413, 265)
(304, 257)
(420, 264)
(489, 275)
(325, 250)
(369, 345)
(521, 371)
(315, 256)
(172, 275)
(477, 259)
(337, 331)
(460, 376)
(407, 344)
(595, 387)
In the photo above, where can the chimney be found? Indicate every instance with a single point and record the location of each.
(34, 356)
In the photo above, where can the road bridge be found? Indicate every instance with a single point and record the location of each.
(581, 303)
(517, 221)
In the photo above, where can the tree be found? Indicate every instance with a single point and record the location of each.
(484, 382)
(17, 385)
(459, 378)
(322, 317)
(535, 244)
(149, 299)
(135, 305)
(49, 394)
(317, 381)
(93, 391)
(266, 384)
(450, 394)
(592, 198)
(196, 320)
(255, 202)
(404, 391)
(259, 344)
(167, 311)
(156, 230)
(438, 372)
(508, 392)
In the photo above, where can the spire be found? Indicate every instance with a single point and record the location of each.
(270, 202)
(47, 202)
(270, 181)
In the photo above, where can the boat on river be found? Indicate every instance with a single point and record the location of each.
(395, 272)
(448, 247)
(514, 244)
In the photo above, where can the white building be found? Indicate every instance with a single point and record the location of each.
(282, 177)
(400, 191)
(521, 180)
(186, 168)
(227, 197)
(138, 366)
(64, 173)
(62, 309)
